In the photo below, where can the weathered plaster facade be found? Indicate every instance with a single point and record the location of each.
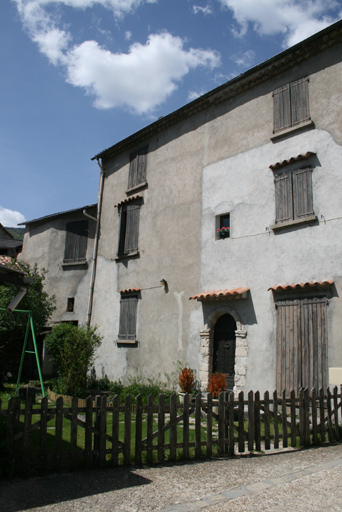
(208, 159)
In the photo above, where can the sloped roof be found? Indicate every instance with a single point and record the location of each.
(291, 160)
(11, 273)
(7, 243)
(59, 214)
(236, 293)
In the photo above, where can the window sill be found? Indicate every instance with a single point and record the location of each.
(137, 187)
(131, 254)
(126, 342)
(292, 129)
(83, 264)
(292, 223)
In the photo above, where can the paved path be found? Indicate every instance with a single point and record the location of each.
(293, 481)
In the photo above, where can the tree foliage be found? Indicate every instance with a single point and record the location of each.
(13, 325)
(73, 352)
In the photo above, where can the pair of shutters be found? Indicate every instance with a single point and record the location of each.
(129, 228)
(293, 193)
(128, 317)
(302, 344)
(137, 169)
(76, 242)
(291, 104)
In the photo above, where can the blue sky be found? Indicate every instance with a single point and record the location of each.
(77, 76)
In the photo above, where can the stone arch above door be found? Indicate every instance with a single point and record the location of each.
(207, 342)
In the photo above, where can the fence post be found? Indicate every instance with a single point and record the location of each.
(314, 415)
(301, 417)
(209, 425)
(115, 430)
(231, 437)
(73, 433)
(127, 435)
(161, 425)
(220, 420)
(241, 423)
(293, 419)
(149, 450)
(198, 426)
(250, 421)
(307, 418)
(58, 432)
(43, 432)
(275, 419)
(138, 429)
(284, 419)
(97, 429)
(89, 433)
(26, 433)
(173, 427)
(257, 421)
(330, 436)
(267, 420)
(337, 432)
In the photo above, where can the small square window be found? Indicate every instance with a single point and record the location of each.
(71, 304)
(223, 226)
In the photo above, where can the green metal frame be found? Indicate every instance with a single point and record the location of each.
(35, 351)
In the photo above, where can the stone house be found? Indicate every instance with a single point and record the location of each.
(9, 246)
(219, 232)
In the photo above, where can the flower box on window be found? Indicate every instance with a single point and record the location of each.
(224, 232)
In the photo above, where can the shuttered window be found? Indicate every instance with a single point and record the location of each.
(293, 195)
(76, 242)
(128, 317)
(302, 343)
(129, 228)
(137, 169)
(291, 104)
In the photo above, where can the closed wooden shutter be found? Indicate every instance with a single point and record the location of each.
(282, 108)
(137, 169)
(76, 241)
(132, 228)
(283, 197)
(128, 317)
(302, 193)
(299, 101)
(301, 344)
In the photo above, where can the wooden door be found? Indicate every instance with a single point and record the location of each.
(224, 348)
(302, 343)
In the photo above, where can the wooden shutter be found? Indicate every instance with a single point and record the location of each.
(301, 343)
(137, 169)
(302, 193)
(283, 197)
(132, 228)
(128, 317)
(76, 241)
(281, 108)
(299, 101)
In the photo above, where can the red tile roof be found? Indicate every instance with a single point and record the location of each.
(302, 286)
(130, 290)
(237, 293)
(128, 199)
(297, 158)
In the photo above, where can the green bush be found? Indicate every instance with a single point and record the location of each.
(145, 388)
(73, 352)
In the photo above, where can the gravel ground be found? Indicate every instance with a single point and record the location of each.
(183, 486)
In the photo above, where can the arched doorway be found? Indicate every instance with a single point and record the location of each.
(224, 348)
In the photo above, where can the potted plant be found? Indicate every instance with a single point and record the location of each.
(218, 383)
(186, 381)
(224, 232)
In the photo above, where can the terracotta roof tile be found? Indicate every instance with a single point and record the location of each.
(301, 286)
(130, 290)
(237, 293)
(297, 158)
(128, 199)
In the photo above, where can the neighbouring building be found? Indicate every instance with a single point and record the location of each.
(8, 245)
(219, 241)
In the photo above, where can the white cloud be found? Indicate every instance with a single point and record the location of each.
(128, 35)
(204, 10)
(193, 95)
(139, 80)
(10, 218)
(245, 59)
(295, 19)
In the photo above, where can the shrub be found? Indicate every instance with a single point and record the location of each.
(186, 379)
(73, 352)
(218, 383)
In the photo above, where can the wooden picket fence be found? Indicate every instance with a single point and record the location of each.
(54, 437)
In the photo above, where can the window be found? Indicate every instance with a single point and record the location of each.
(129, 229)
(128, 318)
(137, 169)
(302, 354)
(293, 196)
(223, 226)
(76, 242)
(291, 105)
(71, 304)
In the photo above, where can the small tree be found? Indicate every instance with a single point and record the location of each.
(73, 352)
(13, 325)
(218, 383)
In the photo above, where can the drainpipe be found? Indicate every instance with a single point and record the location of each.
(96, 243)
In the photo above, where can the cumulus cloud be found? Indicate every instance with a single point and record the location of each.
(295, 19)
(10, 218)
(245, 59)
(139, 80)
(193, 95)
(204, 10)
